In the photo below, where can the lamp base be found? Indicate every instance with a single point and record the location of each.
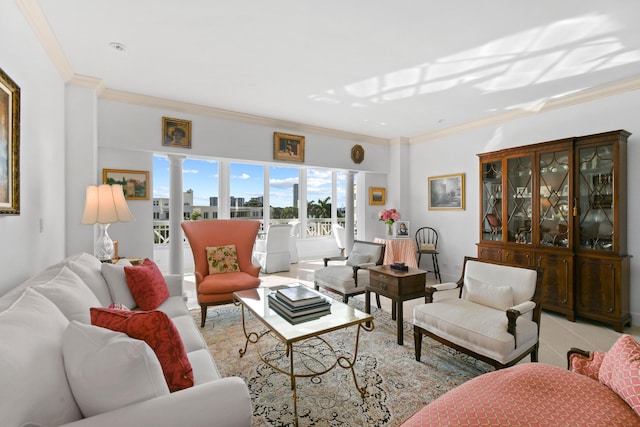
(103, 248)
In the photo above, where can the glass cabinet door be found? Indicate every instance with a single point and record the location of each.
(554, 219)
(492, 200)
(596, 197)
(519, 199)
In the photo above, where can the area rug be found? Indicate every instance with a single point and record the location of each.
(396, 384)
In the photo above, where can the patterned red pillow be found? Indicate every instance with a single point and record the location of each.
(158, 331)
(620, 370)
(147, 285)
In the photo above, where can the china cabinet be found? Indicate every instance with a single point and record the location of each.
(561, 205)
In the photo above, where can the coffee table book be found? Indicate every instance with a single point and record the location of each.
(304, 316)
(273, 299)
(299, 295)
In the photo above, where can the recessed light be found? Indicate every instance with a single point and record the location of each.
(118, 46)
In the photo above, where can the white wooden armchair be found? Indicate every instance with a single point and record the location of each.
(495, 318)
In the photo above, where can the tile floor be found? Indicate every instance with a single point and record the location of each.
(557, 334)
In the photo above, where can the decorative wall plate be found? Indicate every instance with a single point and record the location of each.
(357, 153)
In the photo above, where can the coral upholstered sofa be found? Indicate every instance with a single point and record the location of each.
(599, 389)
(57, 368)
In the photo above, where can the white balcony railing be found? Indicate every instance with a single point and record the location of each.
(316, 227)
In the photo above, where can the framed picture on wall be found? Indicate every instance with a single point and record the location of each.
(176, 132)
(288, 147)
(401, 229)
(377, 196)
(446, 192)
(9, 146)
(134, 183)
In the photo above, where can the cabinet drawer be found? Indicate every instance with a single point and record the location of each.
(397, 285)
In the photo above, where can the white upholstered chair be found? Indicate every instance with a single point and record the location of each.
(272, 252)
(340, 234)
(495, 318)
(349, 276)
(293, 242)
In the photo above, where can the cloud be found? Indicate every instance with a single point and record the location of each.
(243, 176)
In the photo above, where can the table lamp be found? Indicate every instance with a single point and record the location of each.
(104, 205)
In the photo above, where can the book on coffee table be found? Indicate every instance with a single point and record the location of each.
(276, 302)
(299, 295)
(300, 317)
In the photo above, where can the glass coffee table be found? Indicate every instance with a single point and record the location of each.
(300, 350)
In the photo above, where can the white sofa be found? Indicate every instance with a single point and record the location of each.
(37, 319)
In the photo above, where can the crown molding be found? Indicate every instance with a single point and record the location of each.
(201, 110)
(34, 16)
(88, 82)
(587, 95)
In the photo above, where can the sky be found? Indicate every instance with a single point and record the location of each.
(247, 180)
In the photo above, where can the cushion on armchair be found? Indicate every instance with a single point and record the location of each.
(620, 370)
(494, 296)
(222, 259)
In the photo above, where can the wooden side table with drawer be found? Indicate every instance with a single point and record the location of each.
(397, 285)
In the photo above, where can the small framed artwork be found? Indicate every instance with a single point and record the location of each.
(357, 153)
(176, 132)
(288, 147)
(446, 192)
(134, 183)
(9, 146)
(377, 196)
(401, 229)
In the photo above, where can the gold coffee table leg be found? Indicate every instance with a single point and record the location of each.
(345, 363)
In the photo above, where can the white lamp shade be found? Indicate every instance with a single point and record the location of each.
(105, 204)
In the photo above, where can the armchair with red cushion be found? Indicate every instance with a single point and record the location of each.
(222, 251)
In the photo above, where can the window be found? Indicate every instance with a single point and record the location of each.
(246, 189)
(319, 190)
(283, 194)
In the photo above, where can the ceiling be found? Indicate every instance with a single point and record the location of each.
(381, 69)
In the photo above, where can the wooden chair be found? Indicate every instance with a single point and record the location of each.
(496, 317)
(216, 289)
(351, 275)
(427, 244)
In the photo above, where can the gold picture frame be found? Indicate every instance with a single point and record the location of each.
(9, 146)
(377, 196)
(288, 147)
(176, 132)
(446, 192)
(135, 184)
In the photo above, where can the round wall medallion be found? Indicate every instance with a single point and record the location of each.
(357, 153)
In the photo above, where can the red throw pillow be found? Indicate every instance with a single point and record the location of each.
(147, 285)
(158, 331)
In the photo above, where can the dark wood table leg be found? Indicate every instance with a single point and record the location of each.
(400, 320)
(367, 305)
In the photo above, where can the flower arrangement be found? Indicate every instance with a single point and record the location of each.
(389, 216)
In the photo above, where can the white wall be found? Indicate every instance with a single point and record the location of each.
(24, 248)
(459, 230)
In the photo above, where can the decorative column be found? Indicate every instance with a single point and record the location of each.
(176, 207)
(349, 214)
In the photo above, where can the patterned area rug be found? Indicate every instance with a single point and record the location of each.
(396, 385)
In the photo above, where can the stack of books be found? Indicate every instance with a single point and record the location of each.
(298, 304)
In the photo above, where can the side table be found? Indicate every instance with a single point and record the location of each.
(399, 286)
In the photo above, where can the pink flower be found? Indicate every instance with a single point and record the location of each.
(389, 216)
